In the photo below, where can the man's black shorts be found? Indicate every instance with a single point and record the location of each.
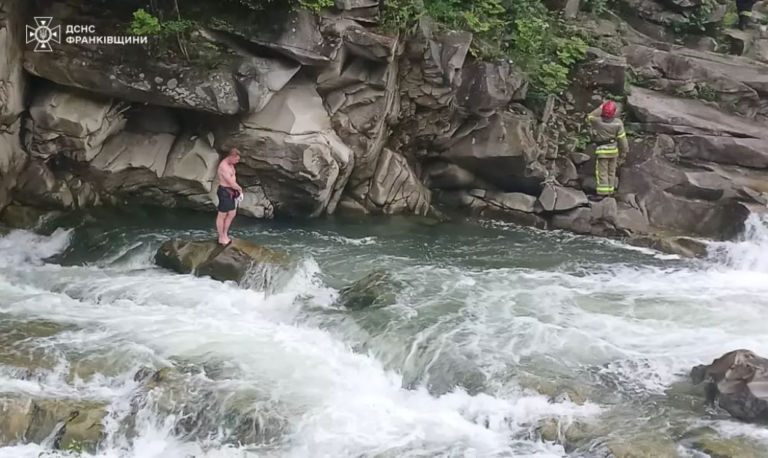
(227, 198)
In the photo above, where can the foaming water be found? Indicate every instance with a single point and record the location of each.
(23, 247)
(750, 252)
(456, 366)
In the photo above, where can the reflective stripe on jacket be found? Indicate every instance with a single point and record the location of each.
(608, 134)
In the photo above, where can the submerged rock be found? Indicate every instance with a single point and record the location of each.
(682, 246)
(737, 382)
(74, 425)
(208, 258)
(373, 289)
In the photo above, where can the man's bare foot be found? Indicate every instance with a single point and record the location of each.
(225, 242)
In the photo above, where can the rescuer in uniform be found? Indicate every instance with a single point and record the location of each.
(744, 7)
(611, 144)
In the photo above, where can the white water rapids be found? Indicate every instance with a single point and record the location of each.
(441, 373)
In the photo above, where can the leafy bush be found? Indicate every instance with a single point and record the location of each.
(146, 24)
(522, 30)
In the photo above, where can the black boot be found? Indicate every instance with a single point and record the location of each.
(743, 22)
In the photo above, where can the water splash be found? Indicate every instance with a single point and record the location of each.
(750, 252)
(21, 247)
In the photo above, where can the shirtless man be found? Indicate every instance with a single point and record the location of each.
(227, 193)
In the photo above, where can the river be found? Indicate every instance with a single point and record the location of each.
(491, 324)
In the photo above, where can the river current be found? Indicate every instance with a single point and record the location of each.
(494, 330)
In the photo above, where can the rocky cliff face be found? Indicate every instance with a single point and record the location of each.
(333, 116)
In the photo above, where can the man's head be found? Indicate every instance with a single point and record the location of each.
(233, 157)
(609, 110)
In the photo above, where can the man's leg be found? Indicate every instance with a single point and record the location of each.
(604, 181)
(228, 222)
(612, 166)
(221, 218)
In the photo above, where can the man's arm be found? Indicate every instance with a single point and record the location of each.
(621, 140)
(596, 112)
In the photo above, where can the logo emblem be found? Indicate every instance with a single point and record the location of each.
(43, 34)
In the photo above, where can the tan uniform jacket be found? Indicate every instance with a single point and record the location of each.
(609, 135)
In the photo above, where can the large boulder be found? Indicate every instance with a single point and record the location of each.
(12, 80)
(300, 37)
(602, 71)
(240, 82)
(64, 121)
(693, 179)
(504, 153)
(607, 218)
(557, 198)
(373, 289)
(292, 152)
(518, 208)
(208, 258)
(662, 113)
(488, 86)
(678, 71)
(71, 424)
(737, 382)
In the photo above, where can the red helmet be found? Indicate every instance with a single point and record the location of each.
(609, 109)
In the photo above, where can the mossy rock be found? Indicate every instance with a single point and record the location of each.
(709, 441)
(645, 448)
(207, 258)
(75, 425)
(23, 217)
(555, 390)
(375, 289)
(569, 435)
(17, 346)
(15, 417)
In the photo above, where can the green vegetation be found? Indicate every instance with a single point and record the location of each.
(699, 22)
(146, 24)
(524, 31)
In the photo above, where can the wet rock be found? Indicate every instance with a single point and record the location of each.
(23, 217)
(444, 175)
(709, 441)
(656, 447)
(71, 424)
(682, 246)
(15, 415)
(209, 258)
(482, 203)
(373, 289)
(555, 390)
(607, 218)
(568, 434)
(558, 198)
(736, 382)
